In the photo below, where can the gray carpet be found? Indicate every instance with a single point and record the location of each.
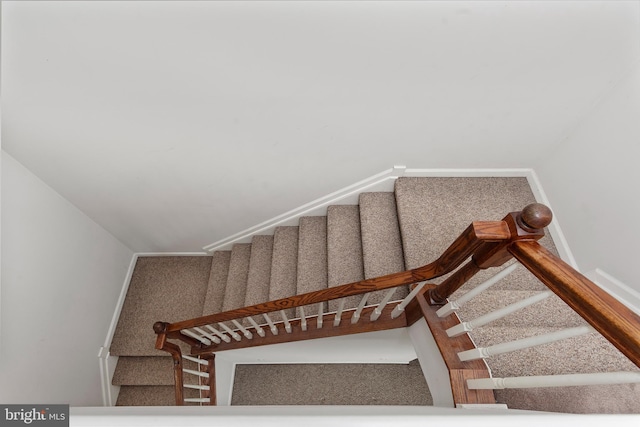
(385, 233)
(330, 384)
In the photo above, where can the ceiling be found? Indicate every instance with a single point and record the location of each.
(174, 124)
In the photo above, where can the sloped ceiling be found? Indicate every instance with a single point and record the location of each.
(175, 124)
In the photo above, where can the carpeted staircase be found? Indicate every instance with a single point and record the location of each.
(384, 233)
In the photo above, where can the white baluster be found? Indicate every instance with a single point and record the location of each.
(356, 314)
(400, 307)
(484, 352)
(378, 311)
(197, 399)
(599, 378)
(303, 319)
(274, 329)
(338, 318)
(198, 373)
(228, 330)
(248, 335)
(197, 387)
(224, 337)
(208, 335)
(287, 325)
(196, 359)
(453, 306)
(495, 315)
(320, 314)
(257, 327)
(196, 336)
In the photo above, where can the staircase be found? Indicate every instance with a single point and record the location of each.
(387, 232)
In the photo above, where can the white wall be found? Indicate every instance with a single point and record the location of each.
(592, 178)
(61, 277)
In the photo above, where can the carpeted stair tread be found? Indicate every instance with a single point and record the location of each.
(259, 270)
(381, 241)
(168, 289)
(236, 289)
(344, 384)
(551, 312)
(217, 282)
(146, 370)
(312, 255)
(151, 395)
(344, 255)
(284, 266)
(434, 211)
(519, 280)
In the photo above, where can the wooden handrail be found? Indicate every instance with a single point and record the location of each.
(607, 315)
(477, 234)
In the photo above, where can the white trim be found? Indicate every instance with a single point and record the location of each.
(382, 181)
(614, 287)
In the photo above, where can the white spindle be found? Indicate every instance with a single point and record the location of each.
(378, 311)
(320, 314)
(197, 387)
(356, 314)
(234, 335)
(495, 315)
(599, 378)
(285, 320)
(274, 329)
(483, 352)
(197, 399)
(248, 335)
(198, 373)
(195, 359)
(303, 319)
(400, 307)
(196, 336)
(224, 337)
(207, 335)
(338, 318)
(257, 327)
(453, 306)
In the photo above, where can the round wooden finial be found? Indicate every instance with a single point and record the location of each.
(535, 217)
(159, 327)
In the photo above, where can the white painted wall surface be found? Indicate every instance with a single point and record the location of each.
(592, 180)
(61, 276)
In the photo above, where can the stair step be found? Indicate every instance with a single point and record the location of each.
(236, 288)
(381, 241)
(151, 395)
(345, 384)
(441, 208)
(168, 289)
(312, 256)
(217, 282)
(146, 370)
(259, 270)
(284, 266)
(344, 255)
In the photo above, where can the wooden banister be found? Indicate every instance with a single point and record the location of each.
(607, 315)
(176, 355)
(463, 247)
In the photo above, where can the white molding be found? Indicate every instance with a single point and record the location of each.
(382, 181)
(614, 287)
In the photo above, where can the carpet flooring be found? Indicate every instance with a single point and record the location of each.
(384, 233)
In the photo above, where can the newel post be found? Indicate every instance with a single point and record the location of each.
(160, 328)
(528, 224)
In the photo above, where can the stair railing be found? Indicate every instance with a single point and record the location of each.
(485, 244)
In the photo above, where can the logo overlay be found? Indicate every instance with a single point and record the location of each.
(34, 415)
